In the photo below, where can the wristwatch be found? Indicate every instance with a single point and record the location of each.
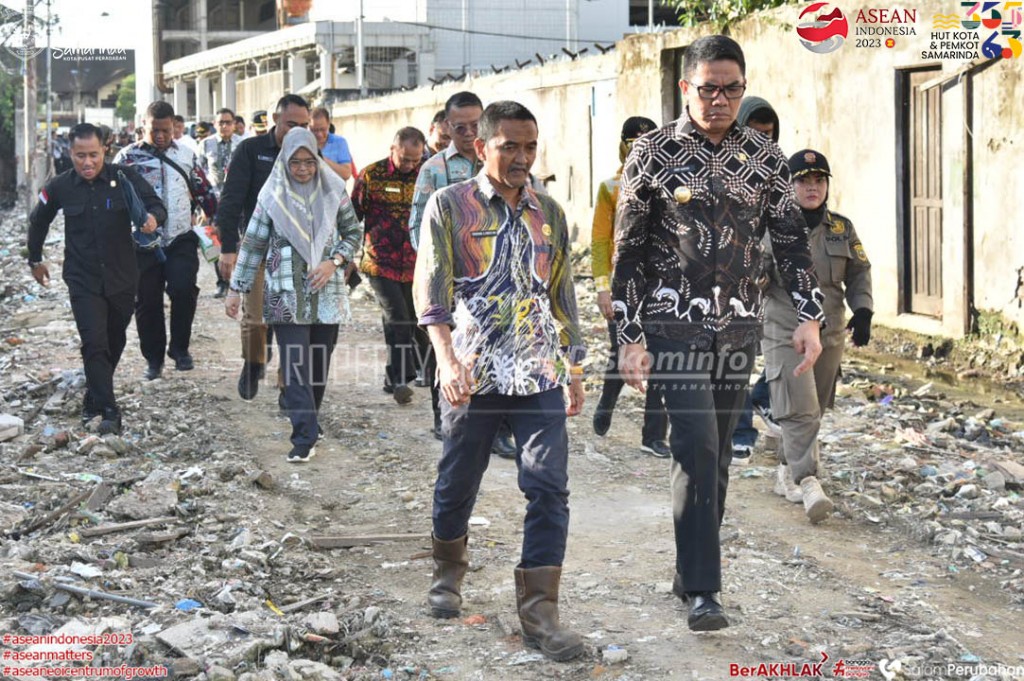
(339, 260)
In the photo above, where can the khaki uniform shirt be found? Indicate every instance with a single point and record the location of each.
(844, 275)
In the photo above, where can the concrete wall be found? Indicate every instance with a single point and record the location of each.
(259, 92)
(842, 104)
(577, 145)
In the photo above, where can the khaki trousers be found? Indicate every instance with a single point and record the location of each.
(799, 401)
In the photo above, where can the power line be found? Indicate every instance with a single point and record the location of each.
(500, 35)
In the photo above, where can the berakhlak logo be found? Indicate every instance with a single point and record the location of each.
(823, 29)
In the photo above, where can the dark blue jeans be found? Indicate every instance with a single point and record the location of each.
(704, 392)
(538, 425)
(746, 433)
(305, 356)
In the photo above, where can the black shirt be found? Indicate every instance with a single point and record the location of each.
(99, 253)
(247, 173)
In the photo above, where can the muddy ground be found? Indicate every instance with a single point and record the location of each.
(875, 583)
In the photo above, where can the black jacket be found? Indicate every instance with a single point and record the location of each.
(248, 171)
(99, 253)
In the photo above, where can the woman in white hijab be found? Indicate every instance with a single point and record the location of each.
(305, 229)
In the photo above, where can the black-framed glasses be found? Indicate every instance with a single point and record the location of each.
(731, 91)
(464, 129)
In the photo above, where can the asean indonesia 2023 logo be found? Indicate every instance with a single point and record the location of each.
(822, 28)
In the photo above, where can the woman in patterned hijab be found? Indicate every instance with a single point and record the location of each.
(304, 232)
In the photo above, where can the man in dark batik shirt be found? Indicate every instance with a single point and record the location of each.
(383, 198)
(696, 199)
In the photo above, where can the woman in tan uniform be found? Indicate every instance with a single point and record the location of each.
(844, 275)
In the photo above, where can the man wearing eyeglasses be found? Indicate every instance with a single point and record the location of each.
(696, 198)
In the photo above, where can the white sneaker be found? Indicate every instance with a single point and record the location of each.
(773, 426)
(785, 487)
(817, 505)
(741, 455)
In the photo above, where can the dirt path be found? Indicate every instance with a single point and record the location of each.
(850, 588)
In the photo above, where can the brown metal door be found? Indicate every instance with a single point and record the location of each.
(925, 188)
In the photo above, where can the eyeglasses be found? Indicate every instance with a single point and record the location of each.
(464, 129)
(732, 91)
(297, 163)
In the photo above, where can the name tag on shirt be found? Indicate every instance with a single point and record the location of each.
(261, 157)
(393, 190)
(483, 233)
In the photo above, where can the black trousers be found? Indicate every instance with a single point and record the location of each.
(704, 391)
(407, 343)
(176, 276)
(305, 356)
(102, 322)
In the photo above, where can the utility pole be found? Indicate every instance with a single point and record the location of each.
(360, 53)
(29, 99)
(49, 89)
(650, 16)
(465, 36)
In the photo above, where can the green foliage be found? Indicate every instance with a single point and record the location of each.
(126, 99)
(720, 13)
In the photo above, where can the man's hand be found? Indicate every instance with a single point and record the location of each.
(227, 264)
(604, 304)
(807, 342)
(150, 226)
(635, 365)
(232, 303)
(456, 381)
(41, 274)
(575, 389)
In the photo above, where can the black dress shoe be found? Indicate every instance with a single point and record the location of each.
(602, 418)
(706, 613)
(504, 446)
(184, 362)
(153, 371)
(222, 290)
(111, 423)
(249, 381)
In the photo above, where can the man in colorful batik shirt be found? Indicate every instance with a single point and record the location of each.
(494, 288)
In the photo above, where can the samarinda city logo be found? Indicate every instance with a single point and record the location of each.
(18, 36)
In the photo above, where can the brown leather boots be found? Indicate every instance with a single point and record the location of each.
(537, 601)
(451, 559)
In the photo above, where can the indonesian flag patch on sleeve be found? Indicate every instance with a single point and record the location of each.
(43, 198)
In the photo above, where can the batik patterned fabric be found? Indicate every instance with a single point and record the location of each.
(689, 261)
(215, 156)
(382, 198)
(170, 185)
(287, 298)
(502, 278)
